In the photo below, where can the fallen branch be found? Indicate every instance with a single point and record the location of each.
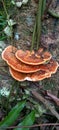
(54, 98)
(33, 126)
(46, 103)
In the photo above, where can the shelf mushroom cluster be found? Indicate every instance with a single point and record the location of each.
(31, 66)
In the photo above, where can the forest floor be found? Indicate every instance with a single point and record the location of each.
(25, 18)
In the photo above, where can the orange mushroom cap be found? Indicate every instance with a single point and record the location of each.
(33, 58)
(9, 56)
(17, 75)
(51, 66)
(40, 75)
(37, 76)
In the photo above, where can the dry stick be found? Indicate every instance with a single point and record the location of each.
(3, 65)
(54, 98)
(46, 103)
(36, 125)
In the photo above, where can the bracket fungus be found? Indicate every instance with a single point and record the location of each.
(31, 66)
(36, 76)
(33, 58)
(9, 56)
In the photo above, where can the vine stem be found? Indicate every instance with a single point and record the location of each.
(53, 14)
(5, 9)
(38, 22)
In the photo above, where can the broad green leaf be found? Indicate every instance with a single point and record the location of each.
(2, 23)
(8, 31)
(11, 22)
(12, 116)
(24, 2)
(1, 17)
(28, 121)
(2, 38)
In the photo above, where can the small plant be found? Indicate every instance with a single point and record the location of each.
(6, 23)
(42, 10)
(12, 116)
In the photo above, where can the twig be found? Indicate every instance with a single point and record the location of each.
(36, 125)
(3, 65)
(54, 98)
(46, 103)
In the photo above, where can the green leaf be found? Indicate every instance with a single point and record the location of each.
(8, 31)
(28, 121)
(2, 38)
(1, 17)
(12, 116)
(2, 23)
